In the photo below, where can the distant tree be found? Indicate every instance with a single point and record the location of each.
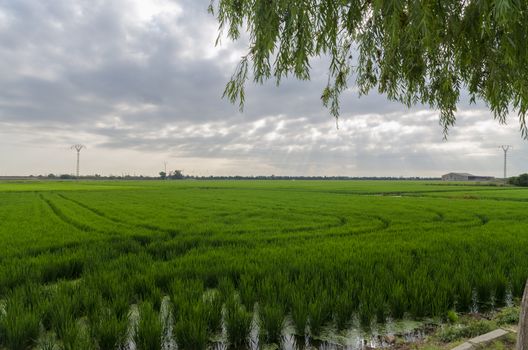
(521, 180)
(176, 174)
(163, 175)
(413, 51)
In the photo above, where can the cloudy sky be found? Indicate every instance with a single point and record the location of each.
(140, 82)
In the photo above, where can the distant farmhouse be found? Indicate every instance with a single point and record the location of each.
(465, 177)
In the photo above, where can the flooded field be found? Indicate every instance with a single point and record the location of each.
(252, 264)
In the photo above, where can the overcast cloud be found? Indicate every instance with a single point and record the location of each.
(140, 82)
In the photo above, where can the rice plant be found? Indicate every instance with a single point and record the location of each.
(20, 325)
(271, 318)
(238, 324)
(60, 315)
(109, 329)
(191, 329)
(149, 331)
(319, 315)
(314, 251)
(48, 342)
(300, 313)
(212, 306)
(75, 336)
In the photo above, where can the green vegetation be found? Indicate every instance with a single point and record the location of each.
(508, 316)
(466, 330)
(521, 180)
(95, 264)
(452, 316)
(148, 335)
(413, 52)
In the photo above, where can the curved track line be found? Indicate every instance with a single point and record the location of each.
(105, 216)
(66, 219)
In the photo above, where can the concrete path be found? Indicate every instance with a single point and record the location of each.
(482, 339)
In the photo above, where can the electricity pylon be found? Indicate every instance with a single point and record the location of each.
(505, 148)
(78, 148)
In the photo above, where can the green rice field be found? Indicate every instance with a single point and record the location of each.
(244, 264)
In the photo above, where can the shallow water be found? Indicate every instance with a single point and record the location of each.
(133, 317)
(353, 338)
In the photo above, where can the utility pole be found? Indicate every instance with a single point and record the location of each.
(505, 148)
(78, 148)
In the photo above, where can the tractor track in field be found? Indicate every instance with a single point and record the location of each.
(93, 210)
(384, 225)
(64, 218)
(238, 242)
(341, 221)
(115, 220)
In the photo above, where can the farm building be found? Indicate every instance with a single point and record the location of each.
(465, 177)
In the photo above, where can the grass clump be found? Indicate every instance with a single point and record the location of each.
(471, 329)
(452, 316)
(508, 315)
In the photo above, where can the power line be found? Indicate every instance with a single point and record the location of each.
(78, 148)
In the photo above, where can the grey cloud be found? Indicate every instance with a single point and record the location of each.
(91, 71)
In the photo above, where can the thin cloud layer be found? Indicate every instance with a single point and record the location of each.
(141, 82)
